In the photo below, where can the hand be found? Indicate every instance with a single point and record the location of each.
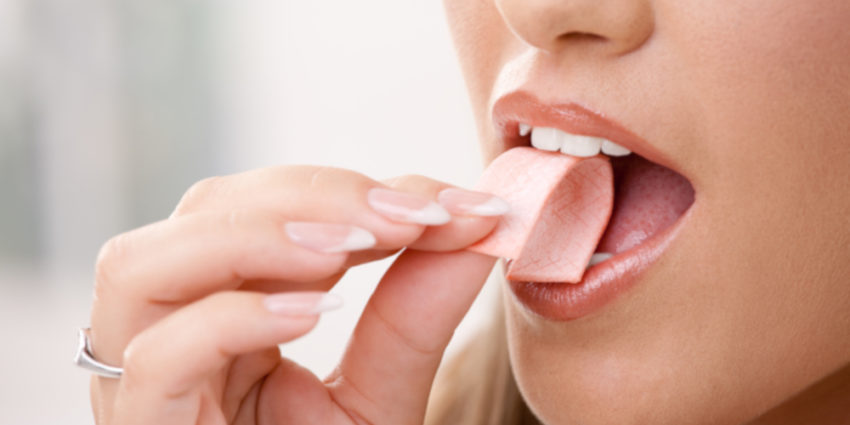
(193, 307)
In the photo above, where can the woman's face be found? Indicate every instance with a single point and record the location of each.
(749, 303)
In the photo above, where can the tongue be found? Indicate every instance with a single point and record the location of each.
(649, 198)
(560, 207)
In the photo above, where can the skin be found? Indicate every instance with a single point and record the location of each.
(179, 304)
(746, 317)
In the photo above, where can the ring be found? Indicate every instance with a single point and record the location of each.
(85, 359)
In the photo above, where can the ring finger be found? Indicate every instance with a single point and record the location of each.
(160, 386)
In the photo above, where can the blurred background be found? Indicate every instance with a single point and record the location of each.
(110, 110)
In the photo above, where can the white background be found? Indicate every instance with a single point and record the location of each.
(368, 86)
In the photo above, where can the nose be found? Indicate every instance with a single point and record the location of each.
(551, 25)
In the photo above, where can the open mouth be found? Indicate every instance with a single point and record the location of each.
(650, 203)
(648, 199)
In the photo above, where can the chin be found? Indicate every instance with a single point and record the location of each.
(640, 361)
(604, 386)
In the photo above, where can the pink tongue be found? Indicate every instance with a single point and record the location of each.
(649, 199)
(560, 207)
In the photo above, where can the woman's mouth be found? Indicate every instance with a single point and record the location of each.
(651, 201)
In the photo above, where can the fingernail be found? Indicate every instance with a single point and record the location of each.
(459, 201)
(329, 237)
(406, 207)
(301, 303)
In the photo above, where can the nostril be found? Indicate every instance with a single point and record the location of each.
(579, 40)
(611, 26)
(581, 37)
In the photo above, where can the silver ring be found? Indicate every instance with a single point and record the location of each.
(85, 359)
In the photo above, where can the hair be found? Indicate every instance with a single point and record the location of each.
(476, 386)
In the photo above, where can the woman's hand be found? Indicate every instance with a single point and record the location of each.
(183, 305)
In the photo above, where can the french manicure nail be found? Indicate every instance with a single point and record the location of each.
(406, 207)
(329, 237)
(460, 201)
(301, 303)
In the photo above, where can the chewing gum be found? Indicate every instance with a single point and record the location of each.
(560, 206)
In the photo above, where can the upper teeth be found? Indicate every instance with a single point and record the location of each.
(552, 139)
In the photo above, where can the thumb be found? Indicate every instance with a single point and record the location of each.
(387, 371)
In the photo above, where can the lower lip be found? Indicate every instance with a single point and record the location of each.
(601, 283)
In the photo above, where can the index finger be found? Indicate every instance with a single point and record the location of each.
(474, 214)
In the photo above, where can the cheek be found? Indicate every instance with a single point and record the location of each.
(480, 38)
(769, 83)
(483, 44)
(771, 80)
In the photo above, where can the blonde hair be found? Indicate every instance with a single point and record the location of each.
(476, 387)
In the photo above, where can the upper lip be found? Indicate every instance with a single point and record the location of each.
(523, 107)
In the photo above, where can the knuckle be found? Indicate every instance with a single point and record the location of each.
(199, 191)
(322, 178)
(143, 368)
(319, 177)
(415, 182)
(273, 175)
(227, 305)
(109, 262)
(233, 220)
(133, 359)
(285, 175)
(219, 301)
(404, 180)
(241, 226)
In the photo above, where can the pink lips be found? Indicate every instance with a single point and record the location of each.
(605, 281)
(601, 284)
(522, 107)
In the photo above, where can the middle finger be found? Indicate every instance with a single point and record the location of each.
(305, 193)
(147, 273)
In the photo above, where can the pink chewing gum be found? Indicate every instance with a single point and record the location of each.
(560, 206)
